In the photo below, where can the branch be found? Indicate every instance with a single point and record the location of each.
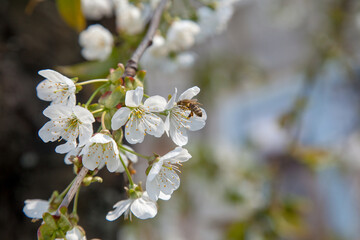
(132, 65)
(70, 195)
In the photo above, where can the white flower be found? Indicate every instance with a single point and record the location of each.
(185, 60)
(56, 88)
(97, 42)
(138, 117)
(101, 150)
(142, 207)
(75, 234)
(178, 121)
(96, 9)
(181, 35)
(162, 180)
(130, 18)
(213, 22)
(126, 156)
(73, 153)
(67, 123)
(35, 208)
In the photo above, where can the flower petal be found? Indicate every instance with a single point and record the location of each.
(113, 163)
(171, 102)
(120, 117)
(57, 111)
(182, 156)
(100, 138)
(75, 152)
(172, 154)
(167, 125)
(197, 123)
(153, 125)
(46, 133)
(179, 136)
(190, 93)
(56, 77)
(120, 208)
(85, 132)
(89, 156)
(84, 115)
(163, 196)
(170, 181)
(35, 208)
(66, 147)
(155, 169)
(155, 104)
(153, 189)
(133, 97)
(134, 131)
(144, 208)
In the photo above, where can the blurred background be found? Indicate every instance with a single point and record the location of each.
(279, 157)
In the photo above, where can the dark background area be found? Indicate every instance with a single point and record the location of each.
(30, 169)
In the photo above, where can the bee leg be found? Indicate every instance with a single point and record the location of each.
(190, 115)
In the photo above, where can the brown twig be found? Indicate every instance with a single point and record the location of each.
(71, 193)
(132, 65)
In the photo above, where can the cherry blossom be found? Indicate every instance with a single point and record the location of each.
(96, 9)
(101, 150)
(181, 35)
(139, 118)
(35, 208)
(178, 121)
(130, 18)
(162, 179)
(56, 88)
(97, 42)
(142, 207)
(67, 123)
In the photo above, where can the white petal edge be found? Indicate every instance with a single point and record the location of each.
(190, 93)
(120, 208)
(155, 104)
(144, 208)
(133, 97)
(35, 208)
(120, 117)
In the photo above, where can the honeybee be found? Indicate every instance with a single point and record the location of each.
(192, 105)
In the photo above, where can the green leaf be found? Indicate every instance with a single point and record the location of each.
(70, 11)
(64, 223)
(49, 220)
(117, 96)
(45, 232)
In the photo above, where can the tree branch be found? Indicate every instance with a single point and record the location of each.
(70, 195)
(132, 65)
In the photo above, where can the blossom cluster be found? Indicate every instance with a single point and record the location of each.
(72, 125)
(170, 49)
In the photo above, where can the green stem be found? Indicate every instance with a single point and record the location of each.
(94, 94)
(76, 200)
(138, 154)
(127, 172)
(103, 120)
(66, 189)
(92, 81)
(97, 110)
(145, 95)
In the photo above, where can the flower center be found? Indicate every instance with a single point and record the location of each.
(72, 124)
